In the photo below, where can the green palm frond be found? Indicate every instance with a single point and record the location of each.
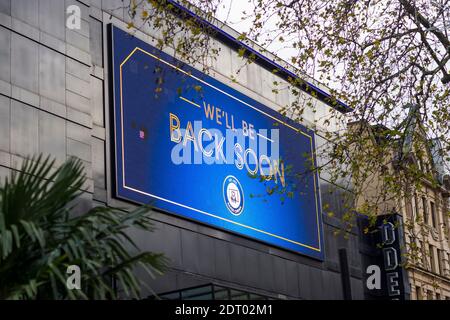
(39, 238)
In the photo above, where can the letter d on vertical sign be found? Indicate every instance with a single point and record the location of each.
(390, 259)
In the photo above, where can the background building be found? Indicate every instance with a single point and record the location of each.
(55, 99)
(422, 210)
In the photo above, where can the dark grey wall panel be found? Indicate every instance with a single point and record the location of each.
(331, 244)
(24, 62)
(332, 286)
(5, 118)
(5, 7)
(78, 86)
(98, 163)
(304, 281)
(185, 280)
(279, 267)
(97, 101)
(81, 134)
(205, 251)
(357, 289)
(52, 136)
(222, 259)
(292, 277)
(78, 40)
(165, 238)
(26, 11)
(52, 70)
(79, 149)
(96, 41)
(52, 17)
(5, 54)
(78, 69)
(78, 102)
(252, 270)
(24, 129)
(316, 279)
(190, 255)
(63, 92)
(237, 260)
(267, 276)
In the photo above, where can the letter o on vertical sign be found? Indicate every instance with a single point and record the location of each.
(387, 233)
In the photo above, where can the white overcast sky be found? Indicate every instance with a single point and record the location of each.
(231, 12)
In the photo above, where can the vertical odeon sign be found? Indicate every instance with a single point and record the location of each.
(192, 146)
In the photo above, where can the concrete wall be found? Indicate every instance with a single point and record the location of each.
(54, 100)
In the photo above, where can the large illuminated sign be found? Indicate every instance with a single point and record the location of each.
(192, 146)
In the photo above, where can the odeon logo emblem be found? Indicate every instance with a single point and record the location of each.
(233, 195)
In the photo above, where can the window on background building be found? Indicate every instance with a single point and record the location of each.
(444, 211)
(409, 209)
(419, 293)
(440, 257)
(438, 296)
(425, 209)
(423, 254)
(416, 206)
(414, 249)
(432, 262)
(433, 214)
(429, 295)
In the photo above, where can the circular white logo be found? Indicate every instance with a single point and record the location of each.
(233, 195)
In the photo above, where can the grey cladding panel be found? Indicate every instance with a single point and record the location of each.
(97, 101)
(304, 281)
(5, 118)
(222, 259)
(96, 41)
(206, 255)
(24, 129)
(5, 7)
(266, 272)
(190, 254)
(98, 162)
(26, 11)
(237, 260)
(5, 54)
(280, 275)
(24, 63)
(316, 283)
(52, 17)
(52, 136)
(52, 80)
(253, 273)
(292, 279)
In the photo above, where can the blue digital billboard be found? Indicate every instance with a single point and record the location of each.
(192, 146)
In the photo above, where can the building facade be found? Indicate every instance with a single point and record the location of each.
(56, 99)
(422, 210)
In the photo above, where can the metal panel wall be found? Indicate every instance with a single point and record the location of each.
(54, 99)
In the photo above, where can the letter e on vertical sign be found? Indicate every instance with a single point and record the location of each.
(392, 284)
